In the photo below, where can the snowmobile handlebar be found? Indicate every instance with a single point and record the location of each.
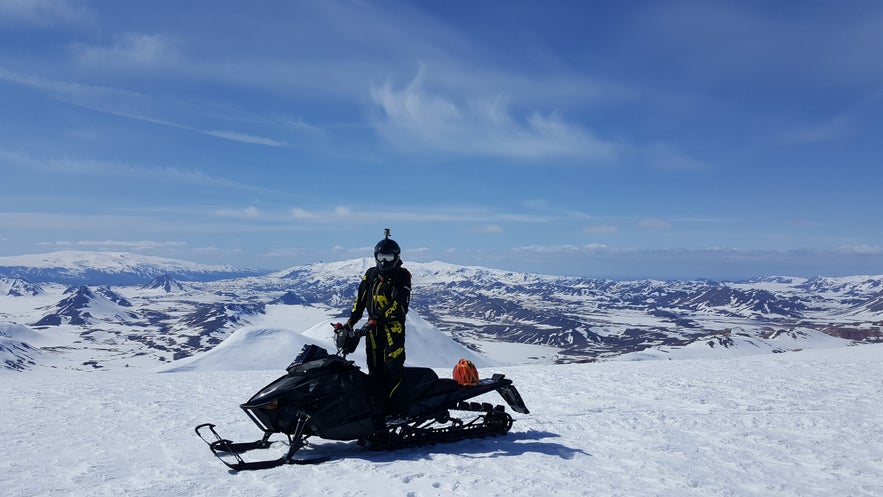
(346, 338)
(352, 332)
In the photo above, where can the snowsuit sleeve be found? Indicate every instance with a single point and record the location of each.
(401, 296)
(362, 296)
(396, 297)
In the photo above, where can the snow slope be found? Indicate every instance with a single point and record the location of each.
(272, 345)
(799, 424)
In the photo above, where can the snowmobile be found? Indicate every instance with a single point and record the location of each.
(327, 396)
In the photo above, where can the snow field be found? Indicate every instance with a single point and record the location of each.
(798, 424)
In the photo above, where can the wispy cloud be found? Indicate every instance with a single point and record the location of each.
(840, 124)
(334, 215)
(127, 104)
(404, 214)
(140, 51)
(600, 230)
(654, 223)
(63, 90)
(102, 169)
(246, 138)
(860, 249)
(487, 229)
(667, 157)
(602, 261)
(138, 245)
(416, 120)
(44, 13)
(250, 212)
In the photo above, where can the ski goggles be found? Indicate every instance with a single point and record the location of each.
(385, 257)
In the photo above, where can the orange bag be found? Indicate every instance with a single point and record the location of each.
(465, 373)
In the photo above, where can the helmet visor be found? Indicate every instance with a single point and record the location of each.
(385, 257)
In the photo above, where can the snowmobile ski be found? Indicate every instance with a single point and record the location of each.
(221, 447)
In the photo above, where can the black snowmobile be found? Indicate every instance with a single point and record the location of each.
(328, 396)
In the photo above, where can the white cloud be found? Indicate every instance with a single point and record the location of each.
(602, 261)
(43, 13)
(103, 169)
(414, 119)
(667, 157)
(336, 214)
(548, 249)
(840, 124)
(132, 51)
(126, 244)
(299, 213)
(654, 223)
(128, 104)
(250, 212)
(245, 138)
(601, 229)
(65, 90)
(860, 250)
(403, 214)
(487, 229)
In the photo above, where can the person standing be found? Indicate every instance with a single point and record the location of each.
(385, 292)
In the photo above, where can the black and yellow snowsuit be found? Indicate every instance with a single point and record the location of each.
(386, 297)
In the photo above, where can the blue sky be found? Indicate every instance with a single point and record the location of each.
(663, 139)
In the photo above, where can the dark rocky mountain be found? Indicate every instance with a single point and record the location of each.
(290, 298)
(82, 307)
(17, 355)
(872, 305)
(166, 283)
(19, 287)
(718, 297)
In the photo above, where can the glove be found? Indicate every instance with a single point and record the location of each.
(340, 340)
(345, 338)
(367, 328)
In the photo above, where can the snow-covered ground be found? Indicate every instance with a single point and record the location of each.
(797, 424)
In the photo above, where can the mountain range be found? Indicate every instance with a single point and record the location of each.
(110, 310)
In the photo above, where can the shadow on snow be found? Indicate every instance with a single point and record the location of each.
(509, 445)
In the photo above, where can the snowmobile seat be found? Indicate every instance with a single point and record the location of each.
(442, 385)
(423, 382)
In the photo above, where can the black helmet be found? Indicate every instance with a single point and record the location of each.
(386, 253)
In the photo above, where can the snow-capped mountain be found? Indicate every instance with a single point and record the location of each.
(165, 283)
(19, 287)
(82, 306)
(110, 268)
(502, 316)
(872, 306)
(16, 349)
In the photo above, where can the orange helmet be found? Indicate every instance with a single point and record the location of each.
(465, 372)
